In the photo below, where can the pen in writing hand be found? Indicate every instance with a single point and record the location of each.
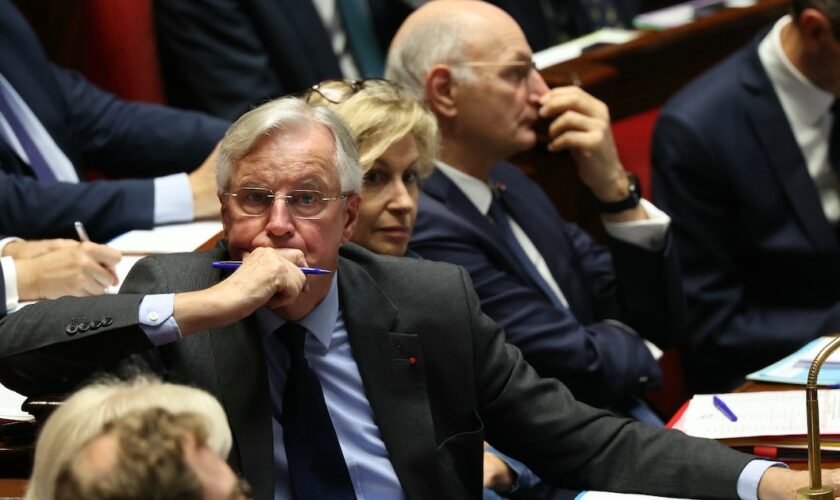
(80, 230)
(720, 405)
(234, 264)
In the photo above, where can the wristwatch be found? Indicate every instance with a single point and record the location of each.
(632, 200)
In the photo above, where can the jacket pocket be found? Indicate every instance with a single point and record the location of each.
(461, 459)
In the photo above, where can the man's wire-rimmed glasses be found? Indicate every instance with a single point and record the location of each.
(302, 203)
(479, 64)
(336, 91)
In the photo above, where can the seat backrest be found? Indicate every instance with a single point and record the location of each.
(120, 50)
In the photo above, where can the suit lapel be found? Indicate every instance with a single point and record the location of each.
(244, 389)
(769, 123)
(444, 190)
(392, 368)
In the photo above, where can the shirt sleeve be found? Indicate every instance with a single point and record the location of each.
(173, 199)
(747, 485)
(646, 233)
(156, 320)
(9, 283)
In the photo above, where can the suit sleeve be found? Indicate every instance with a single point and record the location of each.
(131, 139)
(602, 362)
(39, 354)
(107, 208)
(539, 422)
(691, 185)
(212, 58)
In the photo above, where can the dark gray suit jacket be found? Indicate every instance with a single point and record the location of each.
(466, 386)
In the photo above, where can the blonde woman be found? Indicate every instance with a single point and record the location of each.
(397, 138)
(85, 414)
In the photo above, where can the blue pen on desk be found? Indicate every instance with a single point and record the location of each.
(720, 405)
(234, 264)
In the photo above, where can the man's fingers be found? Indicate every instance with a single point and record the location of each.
(102, 254)
(562, 99)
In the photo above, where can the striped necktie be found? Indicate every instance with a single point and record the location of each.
(37, 162)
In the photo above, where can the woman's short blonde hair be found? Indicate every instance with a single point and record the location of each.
(380, 113)
(85, 413)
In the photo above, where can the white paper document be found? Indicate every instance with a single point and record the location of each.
(10, 403)
(167, 239)
(776, 413)
(607, 495)
(573, 48)
(125, 265)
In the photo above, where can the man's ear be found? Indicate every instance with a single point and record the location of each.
(441, 91)
(353, 204)
(815, 28)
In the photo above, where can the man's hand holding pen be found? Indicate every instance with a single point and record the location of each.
(267, 277)
(70, 268)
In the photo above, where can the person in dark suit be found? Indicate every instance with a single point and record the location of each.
(571, 307)
(408, 375)
(742, 162)
(46, 269)
(397, 139)
(55, 126)
(224, 56)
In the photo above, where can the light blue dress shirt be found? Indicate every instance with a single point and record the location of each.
(173, 195)
(330, 356)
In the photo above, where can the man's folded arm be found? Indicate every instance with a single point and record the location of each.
(33, 210)
(132, 139)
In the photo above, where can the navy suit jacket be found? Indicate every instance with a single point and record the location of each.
(760, 261)
(223, 56)
(93, 129)
(602, 361)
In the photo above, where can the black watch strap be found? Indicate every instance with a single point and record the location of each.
(632, 200)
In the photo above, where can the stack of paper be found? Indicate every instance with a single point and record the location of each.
(10, 403)
(768, 423)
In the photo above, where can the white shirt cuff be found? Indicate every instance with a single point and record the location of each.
(156, 320)
(10, 282)
(646, 233)
(6, 241)
(173, 199)
(747, 485)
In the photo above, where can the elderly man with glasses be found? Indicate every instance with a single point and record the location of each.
(380, 381)
(580, 312)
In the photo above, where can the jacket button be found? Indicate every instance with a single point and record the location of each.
(71, 329)
(107, 321)
(84, 326)
(95, 324)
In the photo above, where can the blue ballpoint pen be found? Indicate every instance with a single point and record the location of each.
(234, 264)
(720, 405)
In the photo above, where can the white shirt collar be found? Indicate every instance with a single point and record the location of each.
(476, 190)
(804, 103)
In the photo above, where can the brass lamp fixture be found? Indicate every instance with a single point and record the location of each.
(812, 408)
